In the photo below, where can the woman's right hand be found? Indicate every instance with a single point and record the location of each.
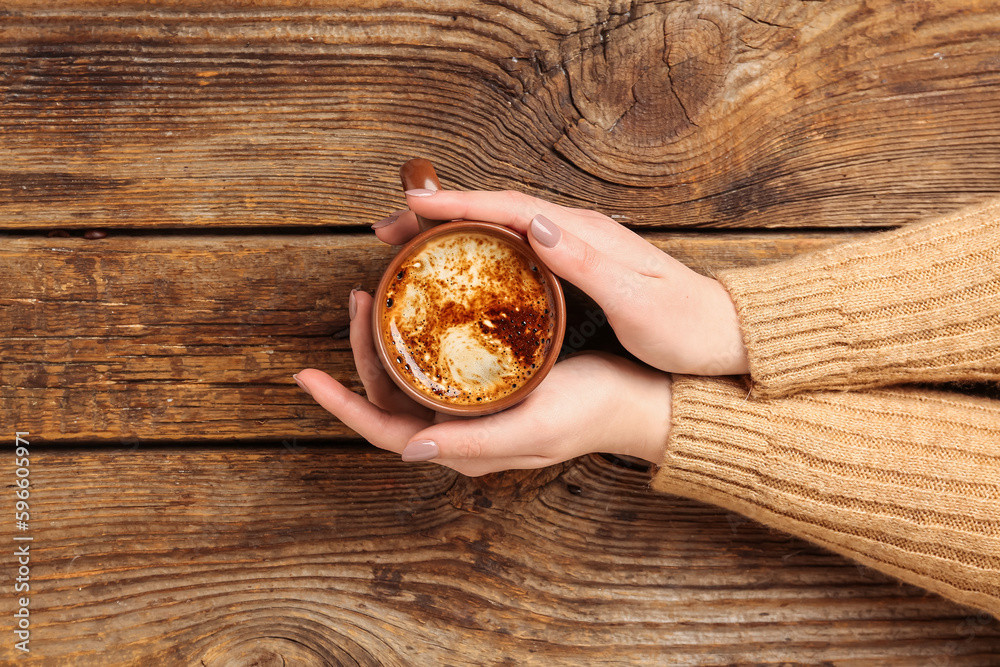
(591, 402)
(662, 312)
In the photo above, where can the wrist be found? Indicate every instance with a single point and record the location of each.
(650, 418)
(726, 338)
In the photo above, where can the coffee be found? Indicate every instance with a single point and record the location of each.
(468, 318)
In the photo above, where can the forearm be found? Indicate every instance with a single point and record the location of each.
(905, 481)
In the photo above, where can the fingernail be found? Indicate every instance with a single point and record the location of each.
(385, 222)
(545, 231)
(302, 385)
(420, 192)
(352, 305)
(420, 450)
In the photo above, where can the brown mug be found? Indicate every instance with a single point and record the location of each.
(467, 319)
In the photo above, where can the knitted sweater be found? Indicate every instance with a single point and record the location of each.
(832, 438)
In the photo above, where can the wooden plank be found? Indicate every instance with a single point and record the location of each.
(780, 114)
(319, 556)
(130, 338)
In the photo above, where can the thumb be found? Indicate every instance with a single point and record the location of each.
(606, 281)
(517, 438)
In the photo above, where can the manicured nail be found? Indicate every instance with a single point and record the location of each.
(420, 450)
(352, 305)
(545, 231)
(385, 222)
(420, 192)
(302, 385)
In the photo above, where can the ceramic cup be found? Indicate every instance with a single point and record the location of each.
(467, 320)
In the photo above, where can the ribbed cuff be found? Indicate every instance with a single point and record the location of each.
(919, 304)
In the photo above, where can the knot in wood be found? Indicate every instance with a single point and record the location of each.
(266, 652)
(501, 490)
(306, 646)
(647, 88)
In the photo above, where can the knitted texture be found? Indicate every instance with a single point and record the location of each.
(919, 304)
(906, 481)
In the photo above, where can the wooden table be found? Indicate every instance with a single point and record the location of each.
(189, 505)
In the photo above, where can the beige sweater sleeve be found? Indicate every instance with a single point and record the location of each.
(919, 304)
(902, 479)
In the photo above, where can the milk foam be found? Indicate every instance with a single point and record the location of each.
(470, 318)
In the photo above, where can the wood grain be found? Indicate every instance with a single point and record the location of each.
(707, 113)
(129, 338)
(346, 556)
(191, 506)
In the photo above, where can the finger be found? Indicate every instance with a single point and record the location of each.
(512, 438)
(398, 228)
(487, 438)
(508, 208)
(516, 210)
(614, 287)
(381, 390)
(617, 242)
(380, 428)
(474, 449)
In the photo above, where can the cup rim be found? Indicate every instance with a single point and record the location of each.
(519, 394)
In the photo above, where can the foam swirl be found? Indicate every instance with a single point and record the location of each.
(469, 317)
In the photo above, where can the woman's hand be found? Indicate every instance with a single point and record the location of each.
(662, 312)
(588, 403)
